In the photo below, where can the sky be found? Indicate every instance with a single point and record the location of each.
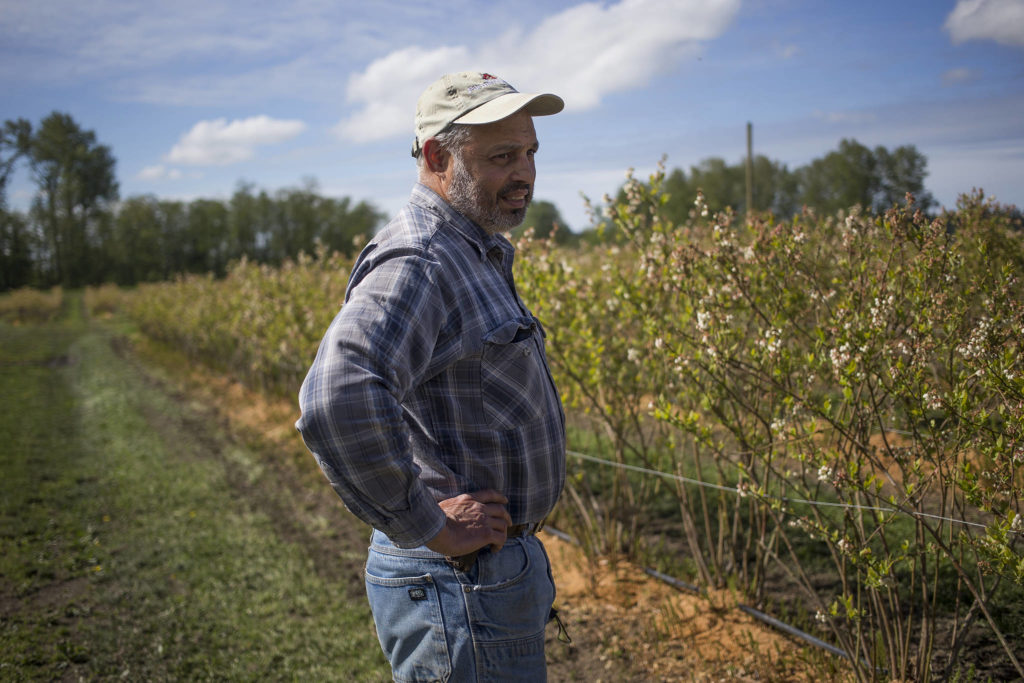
(195, 97)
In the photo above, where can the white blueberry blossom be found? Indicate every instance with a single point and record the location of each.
(974, 347)
(772, 341)
(840, 357)
(932, 400)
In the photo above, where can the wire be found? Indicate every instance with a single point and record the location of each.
(737, 490)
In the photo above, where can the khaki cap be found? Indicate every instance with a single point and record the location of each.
(472, 97)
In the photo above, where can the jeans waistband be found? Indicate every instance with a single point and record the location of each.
(379, 541)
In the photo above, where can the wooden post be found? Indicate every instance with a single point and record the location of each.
(750, 169)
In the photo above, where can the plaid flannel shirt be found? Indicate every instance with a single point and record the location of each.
(432, 380)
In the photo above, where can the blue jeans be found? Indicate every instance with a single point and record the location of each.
(436, 623)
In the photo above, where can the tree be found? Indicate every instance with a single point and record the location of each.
(136, 248)
(76, 182)
(344, 227)
(903, 170)
(295, 227)
(15, 141)
(724, 185)
(853, 174)
(16, 269)
(206, 237)
(544, 218)
(775, 188)
(244, 223)
(303, 219)
(681, 195)
(15, 238)
(841, 179)
(875, 179)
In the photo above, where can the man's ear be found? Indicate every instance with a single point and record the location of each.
(435, 156)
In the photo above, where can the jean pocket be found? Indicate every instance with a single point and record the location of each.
(410, 626)
(514, 598)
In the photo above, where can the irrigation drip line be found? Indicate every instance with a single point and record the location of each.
(761, 616)
(671, 580)
(737, 490)
(792, 630)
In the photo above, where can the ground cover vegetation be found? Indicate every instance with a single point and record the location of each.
(137, 542)
(839, 400)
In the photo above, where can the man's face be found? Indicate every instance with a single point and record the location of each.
(492, 182)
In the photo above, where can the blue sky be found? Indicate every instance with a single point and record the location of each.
(195, 96)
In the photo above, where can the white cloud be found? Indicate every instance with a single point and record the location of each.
(218, 143)
(387, 88)
(998, 20)
(203, 51)
(960, 75)
(158, 172)
(583, 53)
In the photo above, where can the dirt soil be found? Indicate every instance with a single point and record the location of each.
(628, 626)
(624, 625)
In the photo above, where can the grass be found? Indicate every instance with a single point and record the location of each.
(127, 550)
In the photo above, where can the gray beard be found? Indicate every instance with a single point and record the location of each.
(466, 197)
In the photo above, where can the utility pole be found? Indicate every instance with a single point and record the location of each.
(750, 169)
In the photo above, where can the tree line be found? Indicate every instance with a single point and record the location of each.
(853, 174)
(78, 232)
(875, 179)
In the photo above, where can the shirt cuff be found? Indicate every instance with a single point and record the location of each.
(419, 525)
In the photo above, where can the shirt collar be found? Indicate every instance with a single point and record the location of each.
(424, 197)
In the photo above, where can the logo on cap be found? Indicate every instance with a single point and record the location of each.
(485, 82)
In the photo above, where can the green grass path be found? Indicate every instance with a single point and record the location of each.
(138, 543)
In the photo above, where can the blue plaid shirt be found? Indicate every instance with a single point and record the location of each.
(432, 380)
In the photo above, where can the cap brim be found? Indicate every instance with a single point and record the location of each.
(504, 106)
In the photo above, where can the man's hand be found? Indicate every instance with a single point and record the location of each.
(473, 521)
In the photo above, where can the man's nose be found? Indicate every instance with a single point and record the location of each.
(525, 169)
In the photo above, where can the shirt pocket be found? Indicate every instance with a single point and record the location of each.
(512, 374)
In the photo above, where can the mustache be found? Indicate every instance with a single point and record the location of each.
(514, 186)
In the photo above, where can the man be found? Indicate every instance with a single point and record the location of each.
(430, 406)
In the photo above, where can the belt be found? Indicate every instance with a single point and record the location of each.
(465, 562)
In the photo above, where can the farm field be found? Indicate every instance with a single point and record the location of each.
(163, 522)
(820, 419)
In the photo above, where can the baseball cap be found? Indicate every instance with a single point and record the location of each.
(472, 97)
